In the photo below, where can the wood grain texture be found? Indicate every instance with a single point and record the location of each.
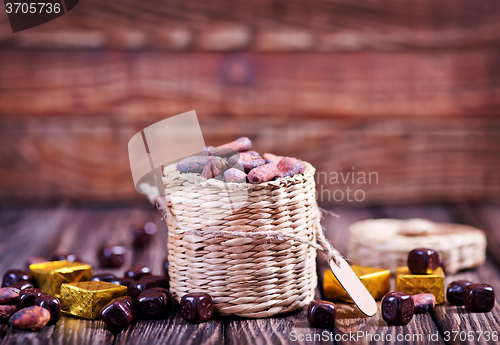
(127, 85)
(439, 159)
(172, 330)
(352, 327)
(451, 318)
(435, 212)
(335, 25)
(291, 328)
(4, 329)
(487, 218)
(466, 324)
(35, 232)
(374, 330)
(68, 330)
(81, 231)
(30, 234)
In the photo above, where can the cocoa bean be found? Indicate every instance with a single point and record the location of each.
(7, 311)
(424, 302)
(289, 167)
(263, 173)
(248, 161)
(233, 160)
(250, 165)
(254, 154)
(9, 295)
(272, 158)
(214, 167)
(241, 144)
(219, 152)
(235, 175)
(33, 318)
(194, 164)
(206, 150)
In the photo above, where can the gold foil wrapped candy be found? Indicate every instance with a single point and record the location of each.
(50, 275)
(86, 299)
(377, 281)
(421, 283)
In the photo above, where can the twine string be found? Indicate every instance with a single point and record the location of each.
(321, 244)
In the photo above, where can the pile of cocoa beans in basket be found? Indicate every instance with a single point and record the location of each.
(234, 162)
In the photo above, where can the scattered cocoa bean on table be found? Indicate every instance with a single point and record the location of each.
(424, 302)
(7, 310)
(9, 295)
(32, 318)
(263, 173)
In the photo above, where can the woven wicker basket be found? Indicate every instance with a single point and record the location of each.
(253, 258)
(385, 243)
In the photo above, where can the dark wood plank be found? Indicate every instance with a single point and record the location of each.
(353, 328)
(457, 319)
(172, 330)
(452, 319)
(291, 328)
(94, 228)
(97, 228)
(32, 233)
(68, 330)
(487, 218)
(294, 329)
(42, 233)
(81, 231)
(434, 212)
(374, 329)
(154, 254)
(350, 321)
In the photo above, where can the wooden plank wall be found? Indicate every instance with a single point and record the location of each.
(408, 91)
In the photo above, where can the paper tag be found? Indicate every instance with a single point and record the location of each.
(354, 287)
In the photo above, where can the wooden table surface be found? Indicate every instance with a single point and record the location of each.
(41, 232)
